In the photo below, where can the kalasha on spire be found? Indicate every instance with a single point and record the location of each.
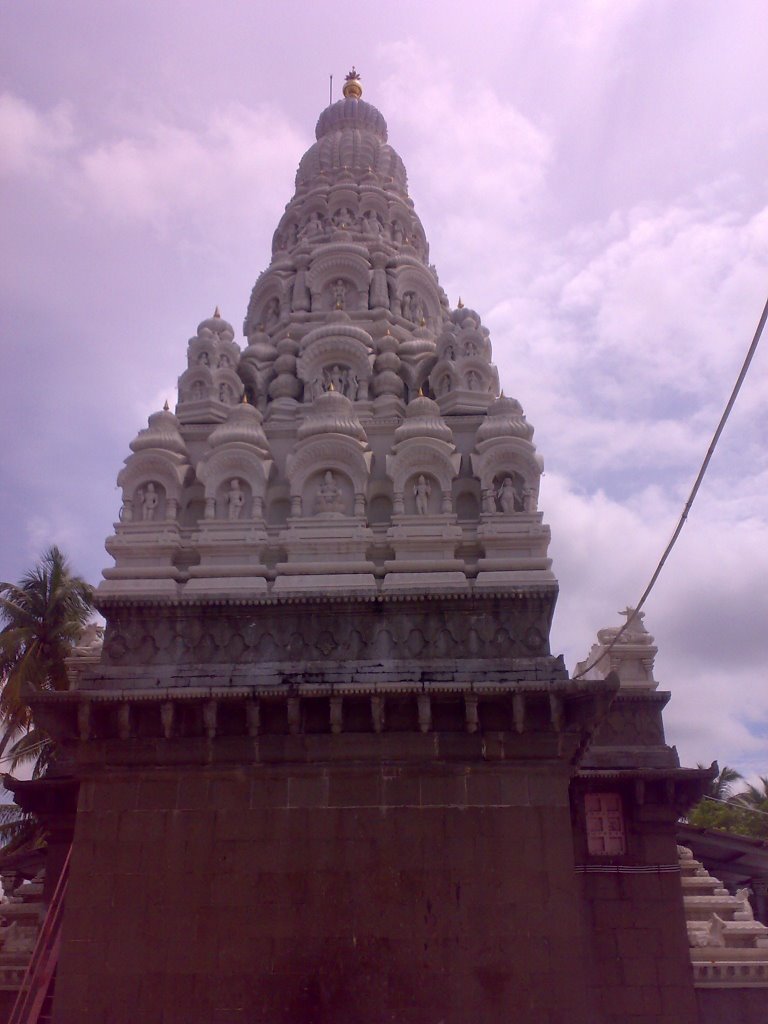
(353, 87)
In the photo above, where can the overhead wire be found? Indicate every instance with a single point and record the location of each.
(694, 491)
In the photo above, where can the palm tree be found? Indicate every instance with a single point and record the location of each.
(721, 787)
(754, 797)
(42, 618)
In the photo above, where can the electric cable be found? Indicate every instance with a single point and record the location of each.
(694, 491)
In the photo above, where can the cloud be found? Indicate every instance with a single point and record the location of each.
(32, 140)
(172, 174)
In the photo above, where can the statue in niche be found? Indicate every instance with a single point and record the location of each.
(470, 348)
(224, 360)
(397, 232)
(473, 380)
(339, 294)
(317, 386)
(149, 500)
(507, 496)
(313, 226)
(351, 384)
(203, 359)
(329, 496)
(344, 218)
(371, 224)
(422, 491)
(450, 352)
(445, 384)
(336, 379)
(198, 391)
(529, 499)
(226, 394)
(235, 499)
(272, 312)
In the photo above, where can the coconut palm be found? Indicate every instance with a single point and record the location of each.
(42, 616)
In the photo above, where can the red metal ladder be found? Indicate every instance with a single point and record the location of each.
(39, 974)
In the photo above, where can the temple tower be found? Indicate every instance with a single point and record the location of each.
(326, 757)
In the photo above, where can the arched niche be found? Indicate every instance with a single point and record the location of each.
(431, 457)
(236, 461)
(413, 280)
(166, 471)
(332, 452)
(507, 457)
(316, 365)
(339, 280)
(227, 386)
(195, 384)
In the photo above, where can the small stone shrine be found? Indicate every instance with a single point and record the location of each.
(329, 769)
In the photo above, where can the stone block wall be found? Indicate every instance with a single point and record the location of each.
(340, 893)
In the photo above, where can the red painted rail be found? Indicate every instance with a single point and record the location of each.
(35, 987)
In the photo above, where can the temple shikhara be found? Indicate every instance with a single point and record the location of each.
(325, 767)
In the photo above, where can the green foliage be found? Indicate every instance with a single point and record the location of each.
(18, 830)
(744, 813)
(41, 619)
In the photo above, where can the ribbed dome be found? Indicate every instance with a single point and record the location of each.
(162, 432)
(332, 413)
(351, 113)
(243, 426)
(351, 138)
(505, 419)
(423, 419)
(216, 325)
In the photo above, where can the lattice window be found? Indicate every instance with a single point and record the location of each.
(605, 825)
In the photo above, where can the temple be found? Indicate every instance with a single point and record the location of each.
(327, 766)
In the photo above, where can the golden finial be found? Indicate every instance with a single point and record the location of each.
(421, 392)
(352, 88)
(460, 304)
(331, 387)
(422, 322)
(339, 304)
(217, 313)
(166, 407)
(244, 399)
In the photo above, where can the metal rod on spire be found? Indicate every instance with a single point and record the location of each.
(330, 91)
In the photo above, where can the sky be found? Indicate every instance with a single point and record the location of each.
(592, 179)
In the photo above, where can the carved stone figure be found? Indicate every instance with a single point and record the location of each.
(149, 501)
(422, 491)
(336, 377)
(235, 499)
(223, 360)
(272, 312)
(225, 394)
(344, 218)
(371, 224)
(351, 384)
(529, 499)
(506, 495)
(313, 226)
(198, 391)
(203, 359)
(473, 380)
(397, 232)
(329, 496)
(339, 294)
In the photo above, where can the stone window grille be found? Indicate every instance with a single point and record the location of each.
(605, 825)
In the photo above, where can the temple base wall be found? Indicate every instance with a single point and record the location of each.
(332, 893)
